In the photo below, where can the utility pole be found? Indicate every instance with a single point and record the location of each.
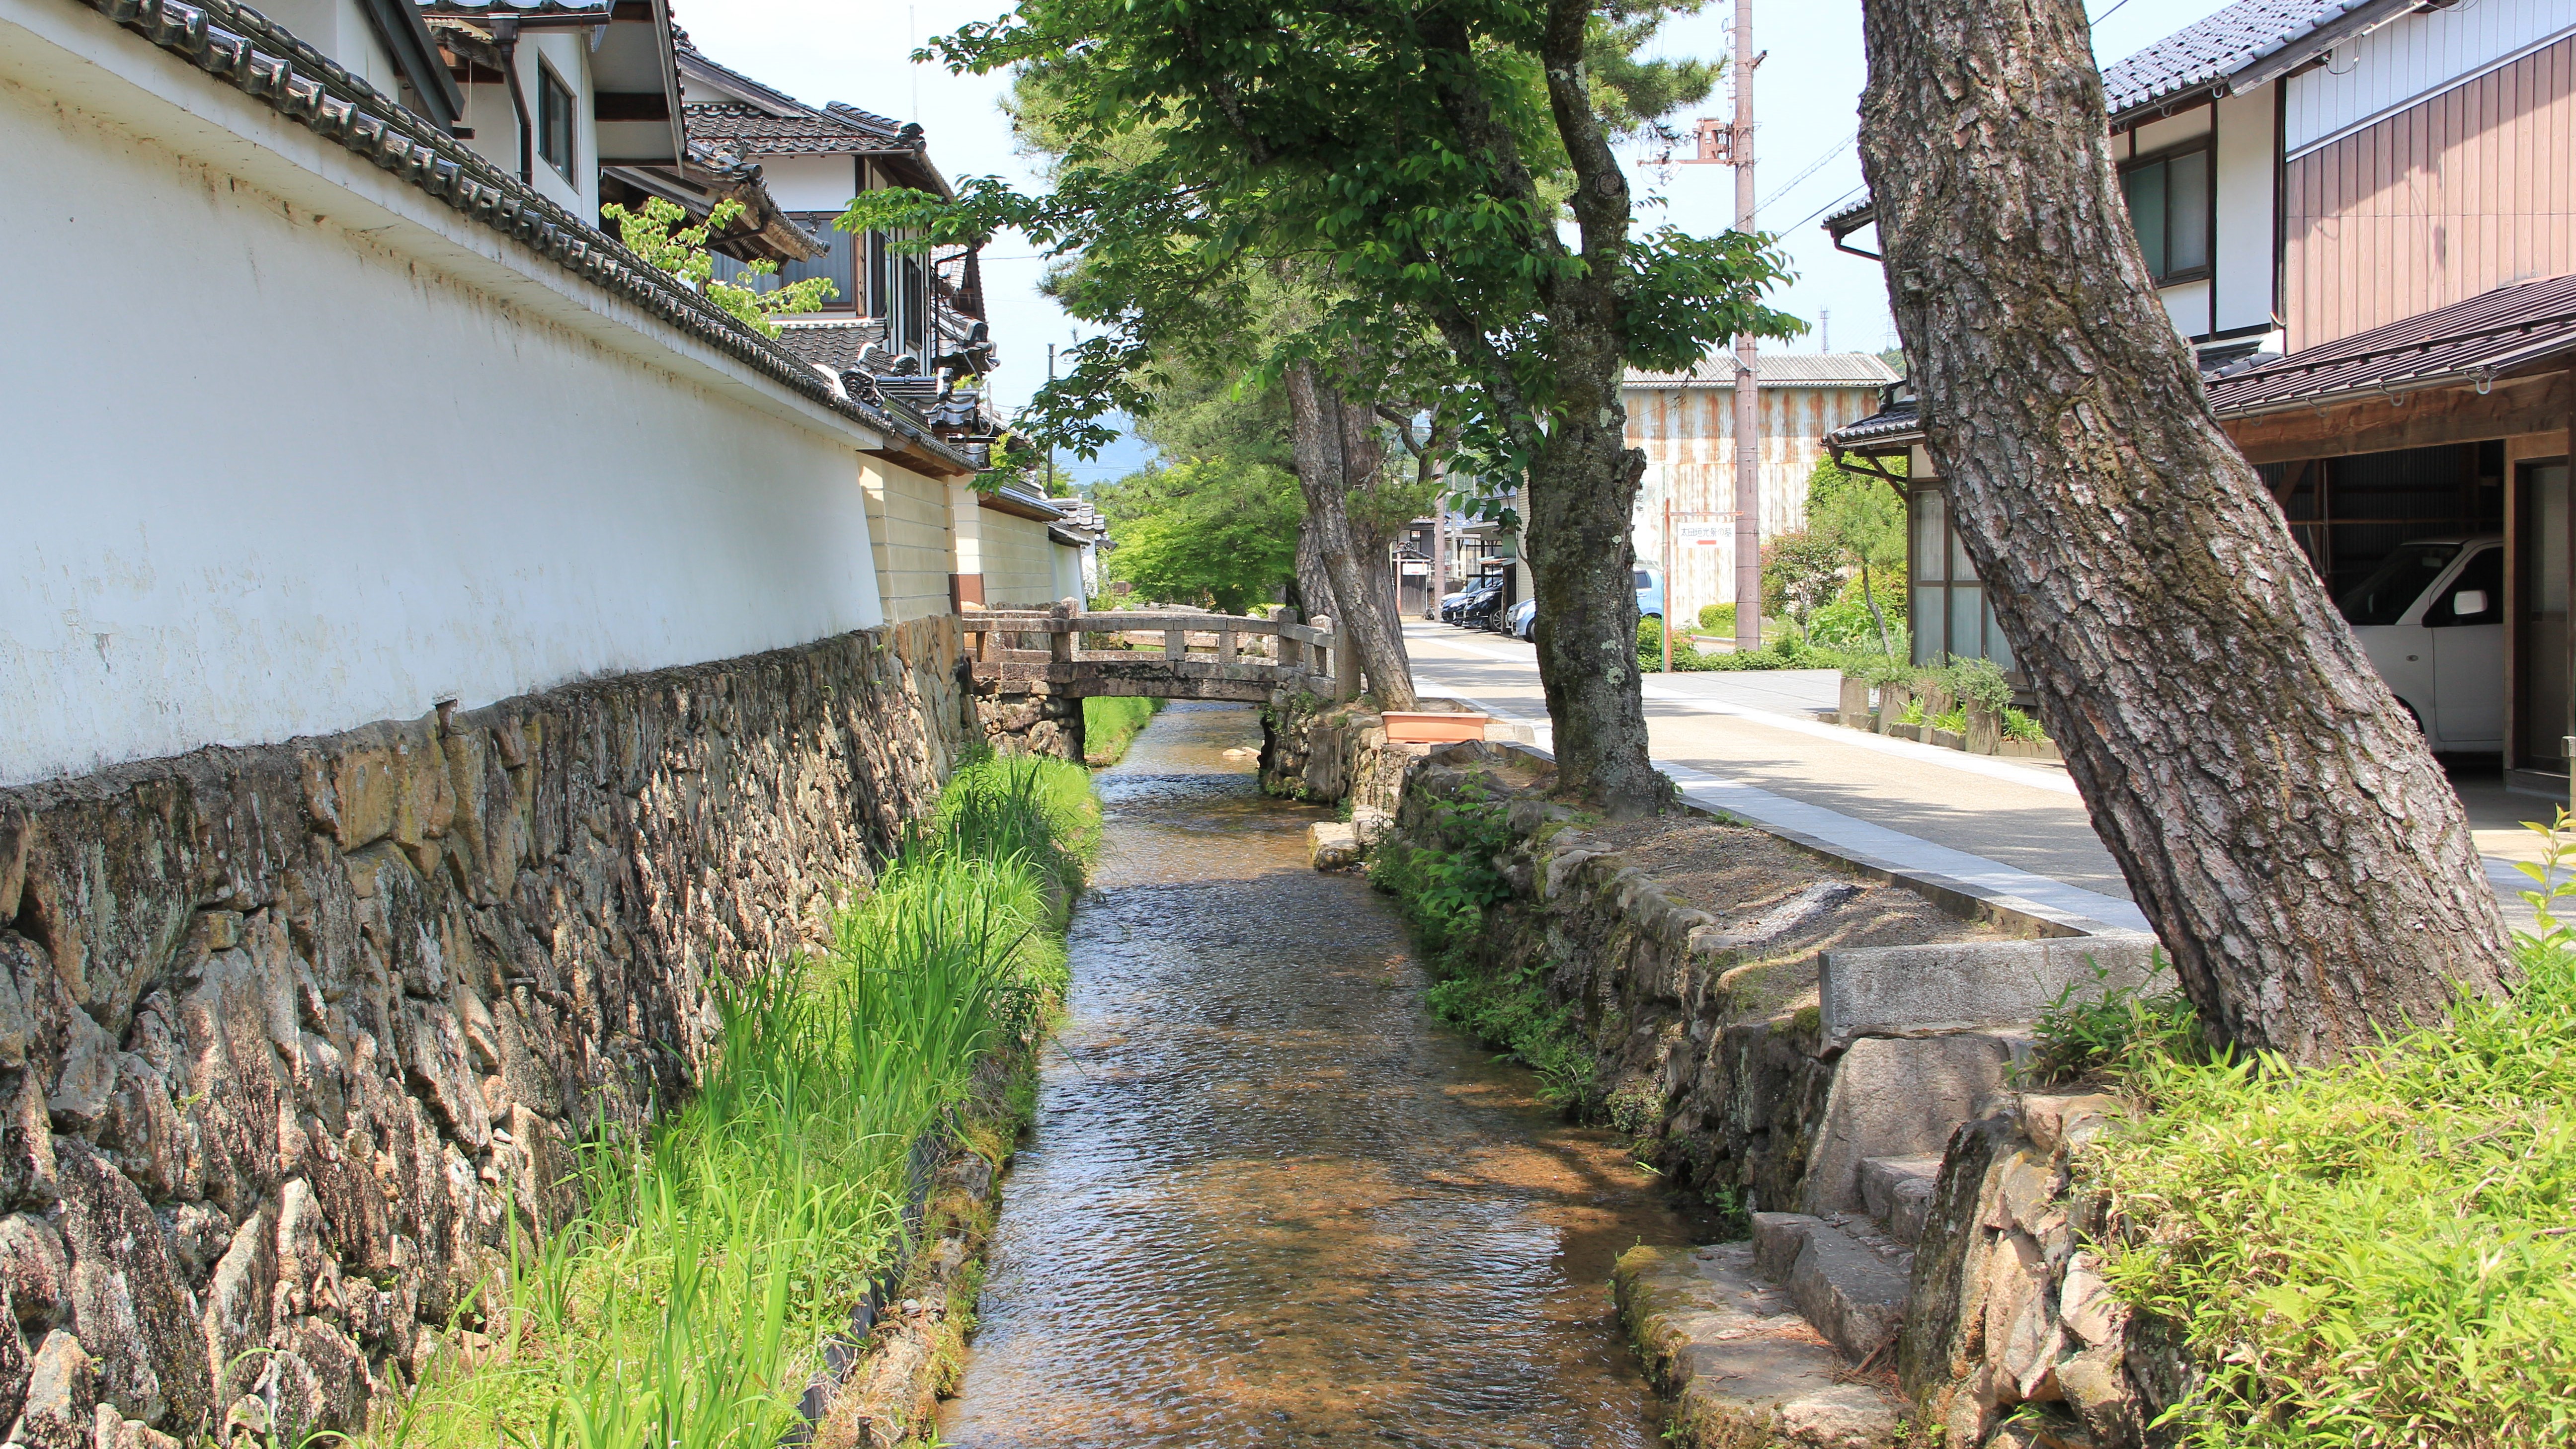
(1748, 402)
(1439, 548)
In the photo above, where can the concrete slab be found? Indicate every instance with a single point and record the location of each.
(1965, 985)
(1738, 1359)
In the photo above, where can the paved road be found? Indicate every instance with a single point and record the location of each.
(2012, 826)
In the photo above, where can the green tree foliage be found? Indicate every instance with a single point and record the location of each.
(655, 235)
(1217, 531)
(1863, 520)
(1800, 572)
(1404, 169)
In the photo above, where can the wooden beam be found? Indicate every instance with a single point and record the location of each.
(2421, 420)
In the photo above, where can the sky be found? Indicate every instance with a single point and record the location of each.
(1806, 95)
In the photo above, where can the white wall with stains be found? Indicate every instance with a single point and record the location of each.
(292, 448)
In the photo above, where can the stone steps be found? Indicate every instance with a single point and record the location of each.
(1848, 1279)
(1741, 1363)
(1897, 1192)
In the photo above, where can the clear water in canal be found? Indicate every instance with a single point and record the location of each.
(1269, 1199)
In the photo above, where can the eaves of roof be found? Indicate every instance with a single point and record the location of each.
(2506, 332)
(2493, 335)
(1018, 502)
(1774, 370)
(262, 59)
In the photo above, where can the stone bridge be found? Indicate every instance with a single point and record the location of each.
(1175, 654)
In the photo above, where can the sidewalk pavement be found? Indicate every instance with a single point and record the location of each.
(2015, 829)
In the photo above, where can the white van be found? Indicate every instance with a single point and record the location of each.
(2432, 620)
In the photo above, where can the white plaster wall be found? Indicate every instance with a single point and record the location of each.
(297, 477)
(2171, 131)
(2248, 167)
(2187, 306)
(810, 183)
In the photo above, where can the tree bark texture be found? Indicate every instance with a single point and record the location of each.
(1337, 451)
(1582, 474)
(2277, 815)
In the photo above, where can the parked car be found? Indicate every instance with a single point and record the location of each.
(1521, 620)
(1650, 594)
(1449, 602)
(1480, 608)
(2431, 619)
(1469, 601)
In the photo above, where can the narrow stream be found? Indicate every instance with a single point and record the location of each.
(1269, 1199)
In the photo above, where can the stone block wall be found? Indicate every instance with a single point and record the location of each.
(2012, 1338)
(285, 1030)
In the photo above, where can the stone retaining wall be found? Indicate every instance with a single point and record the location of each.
(2012, 1338)
(284, 1030)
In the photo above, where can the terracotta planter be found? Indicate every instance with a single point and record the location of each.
(1433, 729)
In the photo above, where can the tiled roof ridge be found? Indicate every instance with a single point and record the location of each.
(224, 39)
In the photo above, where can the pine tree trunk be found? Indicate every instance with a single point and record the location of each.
(1336, 448)
(2276, 814)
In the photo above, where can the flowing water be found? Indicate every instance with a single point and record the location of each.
(1270, 1200)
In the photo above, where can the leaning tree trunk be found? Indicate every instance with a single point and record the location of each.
(2277, 816)
(1337, 446)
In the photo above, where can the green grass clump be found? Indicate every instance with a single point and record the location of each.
(686, 1307)
(1443, 893)
(2380, 1253)
(1108, 725)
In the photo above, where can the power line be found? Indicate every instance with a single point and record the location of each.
(1821, 210)
(1813, 167)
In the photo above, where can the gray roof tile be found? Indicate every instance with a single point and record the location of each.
(2215, 48)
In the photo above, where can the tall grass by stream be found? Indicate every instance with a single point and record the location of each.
(687, 1308)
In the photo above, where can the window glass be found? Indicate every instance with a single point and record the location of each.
(1931, 527)
(1967, 611)
(2187, 211)
(1927, 624)
(2145, 186)
(554, 122)
(1961, 571)
(2384, 596)
(1643, 580)
(2483, 574)
(1997, 648)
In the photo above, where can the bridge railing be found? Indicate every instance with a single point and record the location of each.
(1279, 642)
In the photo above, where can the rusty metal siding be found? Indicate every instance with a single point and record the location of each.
(2472, 189)
(1688, 436)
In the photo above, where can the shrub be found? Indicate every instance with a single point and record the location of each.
(2019, 726)
(1717, 619)
(1981, 682)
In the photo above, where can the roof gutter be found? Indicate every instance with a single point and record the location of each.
(505, 35)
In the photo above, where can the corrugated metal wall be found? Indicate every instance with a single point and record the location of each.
(1688, 434)
(2466, 192)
